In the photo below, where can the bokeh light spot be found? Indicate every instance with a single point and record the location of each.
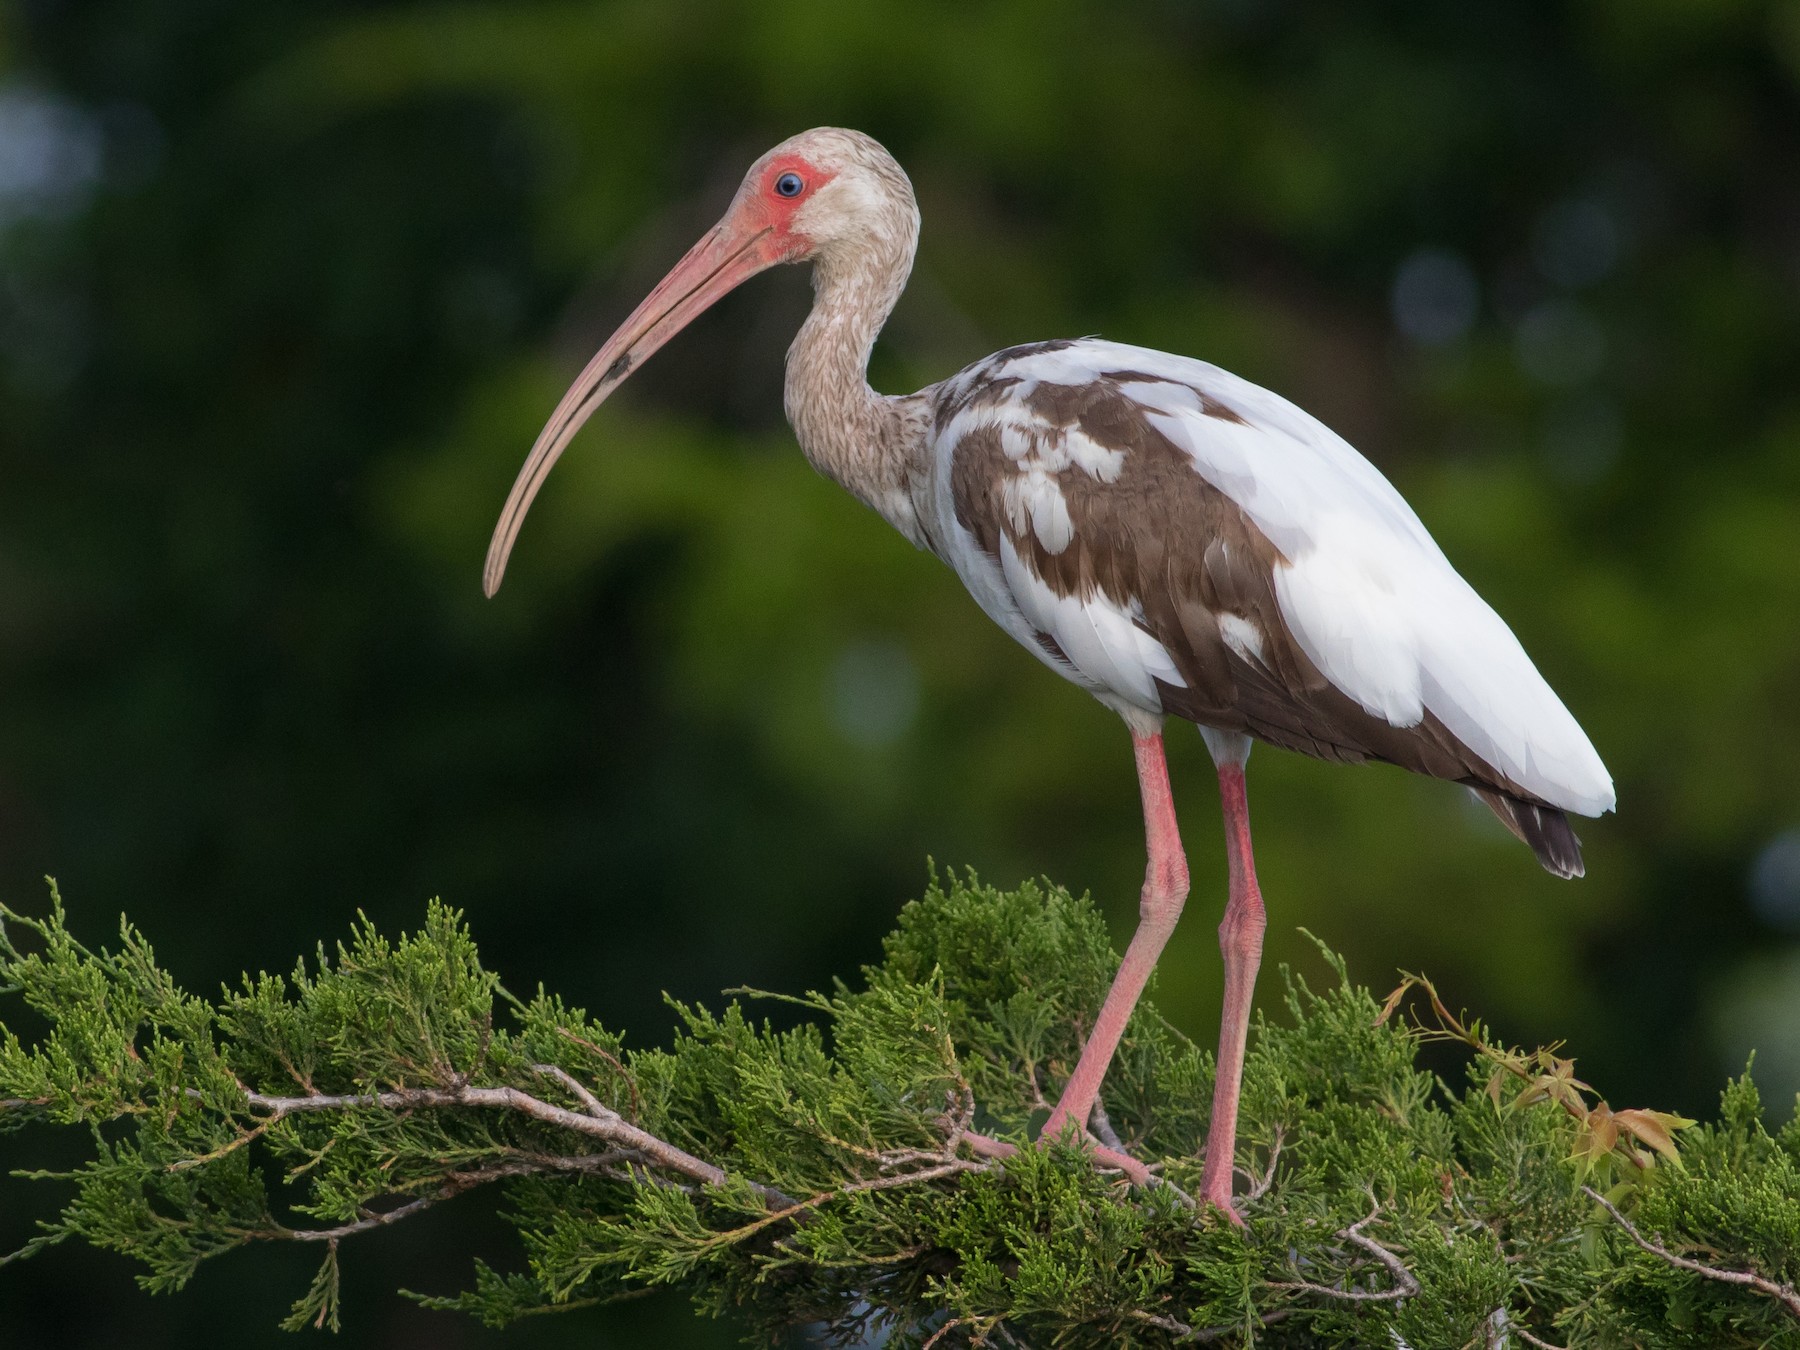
(50, 155)
(1775, 882)
(1435, 297)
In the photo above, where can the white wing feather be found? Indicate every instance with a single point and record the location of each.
(1368, 594)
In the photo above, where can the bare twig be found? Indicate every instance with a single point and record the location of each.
(595, 1108)
(980, 1325)
(246, 1137)
(455, 1184)
(1101, 1124)
(796, 1208)
(959, 1114)
(637, 1105)
(363, 1225)
(1206, 1335)
(1784, 1294)
(1180, 1330)
(1176, 1191)
(631, 1144)
(1405, 1286)
(1259, 1186)
(1529, 1339)
(613, 1128)
(959, 1110)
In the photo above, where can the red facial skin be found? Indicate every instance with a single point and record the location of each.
(768, 209)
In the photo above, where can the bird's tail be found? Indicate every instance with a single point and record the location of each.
(1544, 828)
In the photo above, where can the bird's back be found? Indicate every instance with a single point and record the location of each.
(1180, 541)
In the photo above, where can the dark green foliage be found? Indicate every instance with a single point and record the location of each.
(821, 1174)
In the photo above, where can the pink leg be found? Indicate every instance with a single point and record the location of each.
(1165, 888)
(1240, 939)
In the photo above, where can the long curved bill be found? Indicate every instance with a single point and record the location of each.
(727, 256)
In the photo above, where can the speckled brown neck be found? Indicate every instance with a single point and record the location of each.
(870, 443)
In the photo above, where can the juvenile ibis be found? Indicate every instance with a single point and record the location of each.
(1173, 539)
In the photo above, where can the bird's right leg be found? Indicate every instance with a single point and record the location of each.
(1159, 906)
(1165, 889)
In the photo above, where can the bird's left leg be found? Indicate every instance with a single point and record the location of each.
(1240, 941)
(1165, 890)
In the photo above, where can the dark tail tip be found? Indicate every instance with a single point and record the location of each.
(1544, 828)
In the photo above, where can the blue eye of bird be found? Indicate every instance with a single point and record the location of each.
(789, 185)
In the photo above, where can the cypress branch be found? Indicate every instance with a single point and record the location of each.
(827, 1175)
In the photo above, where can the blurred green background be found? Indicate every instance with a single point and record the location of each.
(287, 288)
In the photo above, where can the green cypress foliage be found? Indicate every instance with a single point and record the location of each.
(826, 1175)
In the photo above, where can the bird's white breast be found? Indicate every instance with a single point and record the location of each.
(1093, 640)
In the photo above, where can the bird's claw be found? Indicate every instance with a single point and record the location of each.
(1136, 1172)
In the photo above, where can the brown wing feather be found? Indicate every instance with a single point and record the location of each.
(1161, 534)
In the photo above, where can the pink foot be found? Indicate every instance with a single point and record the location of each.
(1223, 1204)
(1135, 1171)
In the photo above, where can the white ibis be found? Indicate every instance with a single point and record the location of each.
(1173, 539)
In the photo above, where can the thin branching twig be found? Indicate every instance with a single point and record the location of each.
(612, 1128)
(364, 1224)
(1785, 1294)
(1535, 1341)
(1259, 1186)
(618, 1066)
(1405, 1286)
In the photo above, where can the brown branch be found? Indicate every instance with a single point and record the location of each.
(453, 1185)
(1169, 1186)
(1405, 1286)
(959, 1113)
(1259, 1186)
(1102, 1127)
(1784, 1294)
(592, 1104)
(637, 1105)
(598, 1121)
(612, 1128)
(981, 1325)
(959, 1110)
(363, 1225)
(213, 1155)
(535, 1164)
(1180, 1330)
(946, 1168)
(1529, 1339)
(1206, 1335)
(601, 1123)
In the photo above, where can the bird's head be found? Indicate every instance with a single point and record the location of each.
(825, 195)
(825, 191)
